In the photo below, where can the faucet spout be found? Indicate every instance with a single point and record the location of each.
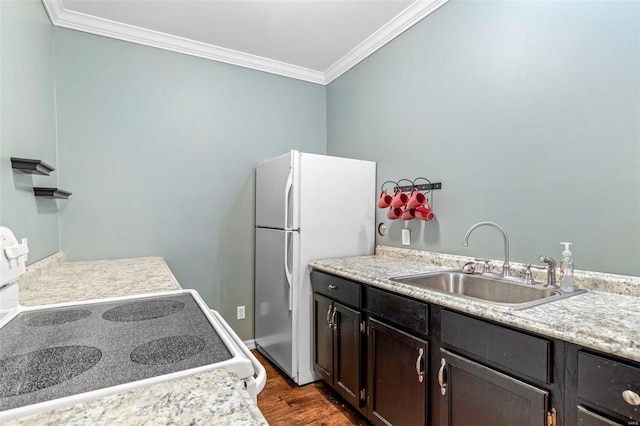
(505, 267)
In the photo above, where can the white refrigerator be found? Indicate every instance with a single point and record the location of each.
(308, 207)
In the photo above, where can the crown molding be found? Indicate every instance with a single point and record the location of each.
(61, 17)
(402, 22)
(79, 21)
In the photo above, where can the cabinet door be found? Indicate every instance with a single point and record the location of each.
(479, 396)
(323, 337)
(396, 378)
(348, 377)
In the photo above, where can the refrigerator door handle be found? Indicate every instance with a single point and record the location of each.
(287, 272)
(287, 189)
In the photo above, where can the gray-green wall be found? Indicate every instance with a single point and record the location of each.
(27, 123)
(159, 150)
(528, 112)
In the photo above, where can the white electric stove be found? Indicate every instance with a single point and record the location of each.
(56, 355)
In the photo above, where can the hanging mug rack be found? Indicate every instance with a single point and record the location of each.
(414, 205)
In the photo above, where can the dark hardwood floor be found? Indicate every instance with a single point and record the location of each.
(285, 403)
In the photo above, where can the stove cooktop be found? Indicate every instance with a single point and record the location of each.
(52, 353)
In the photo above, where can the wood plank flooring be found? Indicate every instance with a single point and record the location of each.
(283, 402)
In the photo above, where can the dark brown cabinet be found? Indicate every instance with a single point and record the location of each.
(401, 361)
(398, 363)
(323, 337)
(348, 346)
(607, 391)
(486, 374)
(378, 364)
(473, 394)
(397, 377)
(339, 337)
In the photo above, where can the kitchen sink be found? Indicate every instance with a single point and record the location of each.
(493, 290)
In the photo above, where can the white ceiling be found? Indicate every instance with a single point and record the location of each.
(312, 40)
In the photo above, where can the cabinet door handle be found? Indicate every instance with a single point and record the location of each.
(333, 318)
(441, 382)
(332, 287)
(631, 397)
(419, 371)
(329, 317)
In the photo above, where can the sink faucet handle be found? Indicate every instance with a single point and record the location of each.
(487, 267)
(528, 279)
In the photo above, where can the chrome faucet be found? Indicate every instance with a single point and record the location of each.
(551, 271)
(505, 266)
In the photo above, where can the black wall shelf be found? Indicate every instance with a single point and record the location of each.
(51, 192)
(38, 167)
(32, 167)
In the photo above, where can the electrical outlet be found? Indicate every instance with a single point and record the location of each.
(406, 237)
(240, 312)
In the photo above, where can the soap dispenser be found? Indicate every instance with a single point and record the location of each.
(566, 270)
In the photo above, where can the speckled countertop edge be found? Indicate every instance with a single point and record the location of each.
(215, 397)
(601, 320)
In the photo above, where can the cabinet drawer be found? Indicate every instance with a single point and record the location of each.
(602, 381)
(340, 289)
(587, 418)
(517, 352)
(399, 310)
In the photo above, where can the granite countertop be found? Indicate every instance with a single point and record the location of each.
(603, 320)
(213, 397)
(53, 280)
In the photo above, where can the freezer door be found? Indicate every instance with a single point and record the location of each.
(274, 295)
(274, 192)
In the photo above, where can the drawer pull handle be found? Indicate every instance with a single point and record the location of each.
(418, 365)
(631, 397)
(329, 317)
(332, 287)
(441, 382)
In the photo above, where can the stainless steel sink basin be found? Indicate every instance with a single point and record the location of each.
(493, 290)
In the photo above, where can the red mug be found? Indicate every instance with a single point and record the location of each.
(399, 199)
(416, 199)
(408, 214)
(394, 213)
(424, 213)
(385, 200)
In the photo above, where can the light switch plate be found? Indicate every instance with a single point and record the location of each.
(406, 237)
